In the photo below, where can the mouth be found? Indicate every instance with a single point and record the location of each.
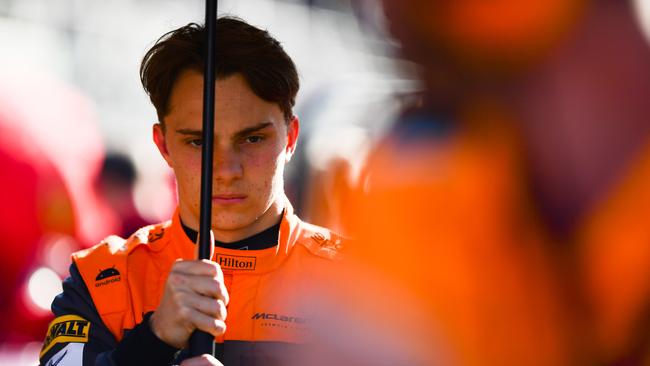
(228, 198)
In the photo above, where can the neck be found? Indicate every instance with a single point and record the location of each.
(227, 229)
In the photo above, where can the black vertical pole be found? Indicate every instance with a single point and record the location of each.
(202, 342)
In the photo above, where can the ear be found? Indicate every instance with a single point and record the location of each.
(293, 130)
(161, 143)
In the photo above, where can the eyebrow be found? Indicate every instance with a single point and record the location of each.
(248, 130)
(240, 133)
(187, 131)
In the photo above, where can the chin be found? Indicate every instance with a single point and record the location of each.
(232, 221)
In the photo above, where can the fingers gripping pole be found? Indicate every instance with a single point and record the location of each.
(202, 342)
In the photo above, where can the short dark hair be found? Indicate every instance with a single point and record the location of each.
(240, 48)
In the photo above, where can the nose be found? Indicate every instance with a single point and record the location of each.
(227, 165)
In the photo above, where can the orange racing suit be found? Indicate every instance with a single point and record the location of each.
(118, 283)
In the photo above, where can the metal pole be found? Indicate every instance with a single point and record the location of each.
(202, 342)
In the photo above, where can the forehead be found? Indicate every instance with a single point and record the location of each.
(236, 105)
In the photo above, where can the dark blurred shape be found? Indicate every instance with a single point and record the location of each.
(503, 220)
(116, 184)
(590, 170)
(118, 169)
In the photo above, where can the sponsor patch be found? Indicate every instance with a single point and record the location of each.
(326, 243)
(245, 263)
(279, 321)
(106, 273)
(155, 234)
(106, 276)
(282, 318)
(65, 329)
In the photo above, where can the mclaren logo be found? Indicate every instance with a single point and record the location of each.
(282, 318)
(236, 262)
(155, 234)
(64, 329)
(327, 243)
(106, 276)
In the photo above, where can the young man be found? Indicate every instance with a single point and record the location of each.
(136, 301)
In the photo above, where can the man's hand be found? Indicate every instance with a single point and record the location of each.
(203, 360)
(195, 297)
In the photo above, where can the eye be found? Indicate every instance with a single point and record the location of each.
(254, 139)
(195, 142)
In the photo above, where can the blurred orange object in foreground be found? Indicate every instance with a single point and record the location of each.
(481, 35)
(453, 263)
(449, 227)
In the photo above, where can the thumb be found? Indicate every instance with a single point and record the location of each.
(203, 360)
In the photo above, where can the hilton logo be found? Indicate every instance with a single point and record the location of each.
(236, 262)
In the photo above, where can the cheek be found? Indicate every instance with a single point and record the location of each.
(265, 165)
(187, 168)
